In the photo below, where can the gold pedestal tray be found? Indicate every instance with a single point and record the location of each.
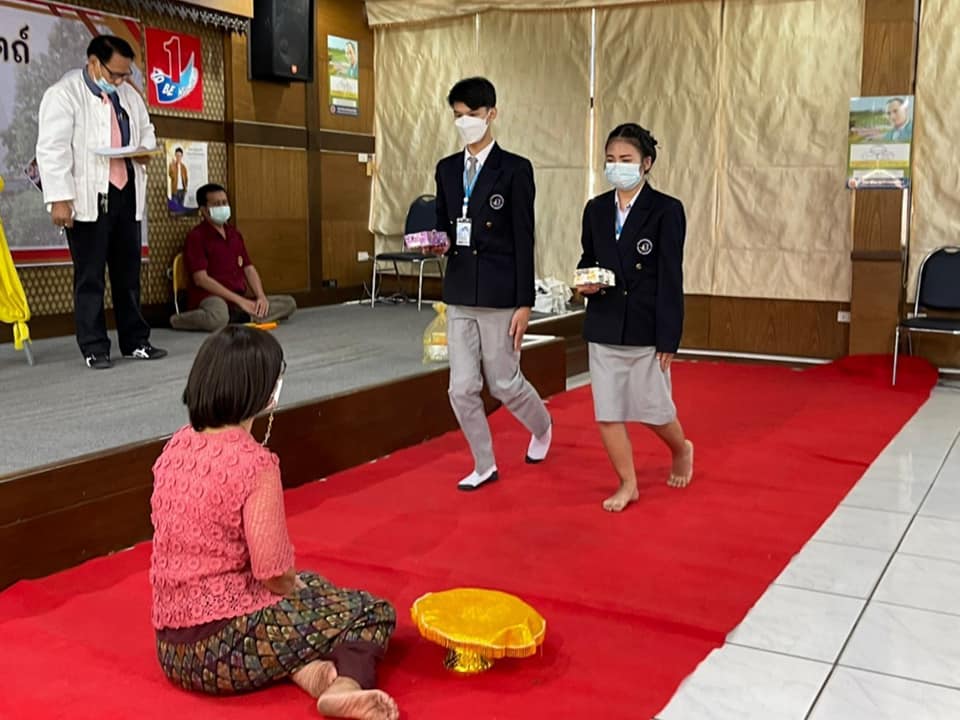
(478, 626)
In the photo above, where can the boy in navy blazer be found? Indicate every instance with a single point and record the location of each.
(485, 198)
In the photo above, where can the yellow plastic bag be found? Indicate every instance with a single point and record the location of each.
(13, 302)
(435, 336)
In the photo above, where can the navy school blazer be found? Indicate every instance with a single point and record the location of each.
(496, 271)
(645, 308)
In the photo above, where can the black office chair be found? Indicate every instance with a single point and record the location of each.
(421, 216)
(938, 288)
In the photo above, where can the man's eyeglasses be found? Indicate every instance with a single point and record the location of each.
(116, 76)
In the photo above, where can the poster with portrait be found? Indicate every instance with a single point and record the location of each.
(32, 171)
(175, 70)
(881, 138)
(343, 60)
(39, 43)
(187, 170)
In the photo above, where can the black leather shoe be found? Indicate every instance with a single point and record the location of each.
(98, 361)
(146, 352)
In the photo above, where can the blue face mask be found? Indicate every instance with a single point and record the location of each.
(623, 176)
(108, 88)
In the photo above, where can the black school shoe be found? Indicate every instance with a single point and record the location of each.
(146, 352)
(98, 361)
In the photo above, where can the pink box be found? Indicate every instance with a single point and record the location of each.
(425, 239)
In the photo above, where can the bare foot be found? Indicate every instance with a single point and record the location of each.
(316, 677)
(345, 699)
(682, 472)
(621, 498)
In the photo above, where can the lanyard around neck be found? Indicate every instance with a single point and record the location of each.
(618, 228)
(468, 186)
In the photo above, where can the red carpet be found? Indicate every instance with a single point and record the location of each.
(633, 602)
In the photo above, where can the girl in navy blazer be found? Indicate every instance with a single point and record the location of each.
(633, 327)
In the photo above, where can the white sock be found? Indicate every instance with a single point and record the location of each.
(475, 479)
(540, 446)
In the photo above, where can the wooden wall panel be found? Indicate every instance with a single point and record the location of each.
(344, 18)
(876, 306)
(888, 68)
(54, 541)
(256, 101)
(878, 215)
(696, 322)
(243, 8)
(941, 350)
(777, 327)
(271, 210)
(888, 47)
(796, 328)
(345, 211)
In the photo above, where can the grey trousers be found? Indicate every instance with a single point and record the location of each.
(480, 346)
(214, 313)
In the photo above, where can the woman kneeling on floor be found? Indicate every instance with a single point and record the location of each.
(231, 613)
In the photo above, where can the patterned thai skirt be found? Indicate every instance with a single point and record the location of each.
(320, 622)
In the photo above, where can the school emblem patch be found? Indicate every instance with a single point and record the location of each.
(645, 247)
(496, 202)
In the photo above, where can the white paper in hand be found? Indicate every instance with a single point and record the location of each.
(124, 152)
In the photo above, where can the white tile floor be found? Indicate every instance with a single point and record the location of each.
(864, 624)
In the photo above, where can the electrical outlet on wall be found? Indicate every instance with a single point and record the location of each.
(843, 316)
(363, 256)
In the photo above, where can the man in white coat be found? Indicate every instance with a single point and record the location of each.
(99, 200)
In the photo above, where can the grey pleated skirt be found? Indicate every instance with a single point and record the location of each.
(629, 386)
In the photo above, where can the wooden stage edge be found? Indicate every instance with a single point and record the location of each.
(55, 517)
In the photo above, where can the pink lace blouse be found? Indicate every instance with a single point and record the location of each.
(219, 528)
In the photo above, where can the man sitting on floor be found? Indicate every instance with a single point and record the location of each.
(226, 287)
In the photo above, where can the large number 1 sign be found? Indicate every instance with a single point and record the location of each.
(172, 46)
(174, 70)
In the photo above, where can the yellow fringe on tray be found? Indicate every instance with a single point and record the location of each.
(489, 623)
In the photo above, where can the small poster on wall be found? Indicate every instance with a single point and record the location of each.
(175, 69)
(881, 137)
(187, 170)
(32, 171)
(343, 60)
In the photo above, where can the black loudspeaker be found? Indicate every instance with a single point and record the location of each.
(281, 40)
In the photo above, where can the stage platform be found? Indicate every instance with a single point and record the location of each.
(76, 445)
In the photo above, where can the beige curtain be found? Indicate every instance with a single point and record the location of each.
(397, 12)
(789, 70)
(414, 69)
(663, 74)
(936, 159)
(540, 64)
(749, 102)
(749, 99)
(543, 114)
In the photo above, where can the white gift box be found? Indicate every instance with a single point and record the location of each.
(594, 276)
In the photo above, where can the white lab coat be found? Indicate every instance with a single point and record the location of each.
(73, 123)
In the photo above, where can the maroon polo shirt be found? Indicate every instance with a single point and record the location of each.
(224, 259)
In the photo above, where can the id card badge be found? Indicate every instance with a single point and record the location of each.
(463, 232)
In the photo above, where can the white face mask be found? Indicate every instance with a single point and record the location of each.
(471, 129)
(275, 400)
(624, 176)
(219, 214)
